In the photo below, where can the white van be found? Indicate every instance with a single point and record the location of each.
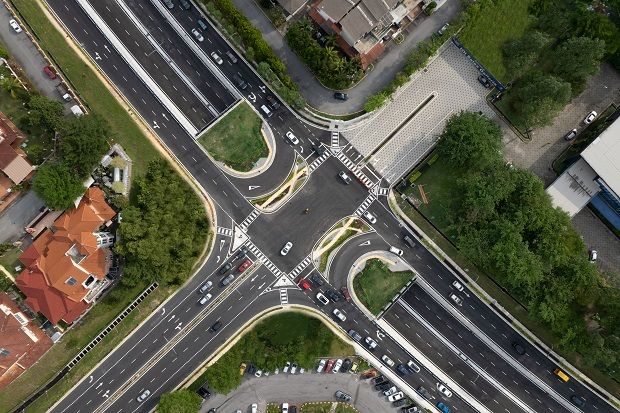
(396, 251)
(266, 111)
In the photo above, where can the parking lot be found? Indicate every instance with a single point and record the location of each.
(407, 128)
(298, 389)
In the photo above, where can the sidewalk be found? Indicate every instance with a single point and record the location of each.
(384, 71)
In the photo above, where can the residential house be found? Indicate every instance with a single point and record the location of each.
(362, 27)
(292, 6)
(65, 267)
(22, 343)
(13, 164)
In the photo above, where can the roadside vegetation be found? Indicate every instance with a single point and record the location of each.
(236, 139)
(327, 407)
(502, 220)
(156, 186)
(376, 285)
(331, 68)
(279, 338)
(180, 401)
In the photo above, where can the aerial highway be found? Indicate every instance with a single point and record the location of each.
(172, 81)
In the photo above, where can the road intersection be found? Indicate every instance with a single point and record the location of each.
(148, 53)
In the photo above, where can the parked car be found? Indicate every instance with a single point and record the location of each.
(396, 396)
(379, 379)
(231, 57)
(185, 4)
(590, 118)
(402, 370)
(50, 72)
(518, 348)
(216, 58)
(290, 136)
(205, 299)
(413, 367)
(399, 403)
(294, 368)
(285, 408)
(168, 4)
(456, 299)
(258, 373)
(206, 287)
(383, 386)
(322, 299)
(387, 360)
(345, 178)
(244, 265)
(227, 280)
(370, 217)
(443, 29)
(321, 366)
(202, 24)
(341, 96)
(197, 35)
(316, 280)
(251, 369)
(484, 81)
(337, 366)
(354, 335)
(254, 408)
(333, 295)
(340, 395)
(142, 397)
(225, 268)
(272, 102)
(305, 284)
(390, 391)
(441, 406)
(204, 392)
(346, 365)
(458, 286)
(286, 368)
(286, 248)
(578, 400)
(593, 255)
(345, 293)
(15, 26)
(370, 343)
(330, 365)
(242, 368)
(339, 315)
(570, 135)
(444, 390)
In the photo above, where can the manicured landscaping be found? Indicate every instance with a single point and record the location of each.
(327, 407)
(9, 260)
(236, 139)
(325, 256)
(492, 24)
(376, 285)
(286, 336)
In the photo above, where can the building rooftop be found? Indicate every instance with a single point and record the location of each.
(603, 155)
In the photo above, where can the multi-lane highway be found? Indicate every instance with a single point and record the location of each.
(172, 80)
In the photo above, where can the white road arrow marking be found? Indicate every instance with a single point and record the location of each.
(380, 335)
(178, 327)
(171, 318)
(252, 97)
(97, 57)
(106, 394)
(105, 46)
(261, 286)
(253, 187)
(90, 379)
(99, 385)
(253, 278)
(155, 125)
(364, 243)
(163, 311)
(262, 88)
(217, 259)
(222, 242)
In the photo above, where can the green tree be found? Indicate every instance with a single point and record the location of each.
(521, 54)
(4, 247)
(11, 85)
(470, 140)
(599, 26)
(180, 401)
(538, 98)
(83, 142)
(374, 102)
(577, 58)
(57, 186)
(43, 112)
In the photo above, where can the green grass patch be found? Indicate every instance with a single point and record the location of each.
(326, 407)
(325, 256)
(10, 259)
(88, 85)
(285, 336)
(236, 139)
(273, 408)
(377, 285)
(490, 27)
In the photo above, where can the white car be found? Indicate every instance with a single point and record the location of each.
(396, 396)
(370, 217)
(457, 300)
(15, 26)
(286, 248)
(593, 255)
(206, 287)
(458, 285)
(292, 138)
(321, 366)
(284, 407)
(197, 35)
(387, 360)
(590, 118)
(294, 368)
(338, 314)
(286, 367)
(322, 299)
(216, 58)
(205, 299)
(143, 396)
(337, 366)
(444, 390)
(390, 391)
(258, 373)
(254, 408)
(370, 343)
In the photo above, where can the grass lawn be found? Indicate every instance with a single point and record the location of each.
(10, 259)
(377, 285)
(493, 25)
(236, 139)
(273, 408)
(326, 407)
(345, 236)
(88, 85)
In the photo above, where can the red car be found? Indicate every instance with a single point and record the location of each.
(330, 365)
(345, 293)
(305, 284)
(244, 265)
(50, 72)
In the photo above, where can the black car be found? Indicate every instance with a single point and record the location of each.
(332, 295)
(292, 409)
(518, 348)
(225, 268)
(243, 251)
(319, 149)
(484, 81)
(383, 386)
(341, 96)
(343, 396)
(398, 403)
(203, 392)
(316, 280)
(216, 326)
(346, 365)
(423, 392)
(239, 81)
(211, 411)
(168, 4)
(402, 370)
(272, 102)
(578, 400)
(185, 4)
(251, 369)
(378, 380)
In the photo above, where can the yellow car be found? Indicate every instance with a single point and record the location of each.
(242, 368)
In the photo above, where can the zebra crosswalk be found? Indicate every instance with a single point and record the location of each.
(249, 219)
(379, 191)
(300, 267)
(227, 232)
(318, 161)
(283, 296)
(335, 139)
(263, 258)
(354, 168)
(364, 206)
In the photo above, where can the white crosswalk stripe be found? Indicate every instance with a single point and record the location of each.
(335, 139)
(283, 296)
(380, 191)
(353, 168)
(318, 161)
(364, 206)
(300, 267)
(266, 261)
(224, 231)
(250, 218)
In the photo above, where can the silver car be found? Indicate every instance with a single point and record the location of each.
(197, 35)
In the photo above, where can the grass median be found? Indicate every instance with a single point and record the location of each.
(376, 285)
(327, 407)
(236, 139)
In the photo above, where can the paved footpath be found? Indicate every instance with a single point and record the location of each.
(298, 389)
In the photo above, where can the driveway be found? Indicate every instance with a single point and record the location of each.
(384, 71)
(15, 218)
(298, 389)
(547, 144)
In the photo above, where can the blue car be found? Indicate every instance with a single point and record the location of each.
(443, 407)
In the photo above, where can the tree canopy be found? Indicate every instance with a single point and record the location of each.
(538, 98)
(164, 230)
(44, 112)
(521, 55)
(57, 186)
(577, 58)
(83, 142)
(180, 401)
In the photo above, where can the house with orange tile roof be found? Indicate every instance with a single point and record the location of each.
(14, 166)
(22, 342)
(65, 267)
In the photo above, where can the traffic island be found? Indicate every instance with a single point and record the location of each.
(327, 407)
(335, 237)
(237, 140)
(291, 185)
